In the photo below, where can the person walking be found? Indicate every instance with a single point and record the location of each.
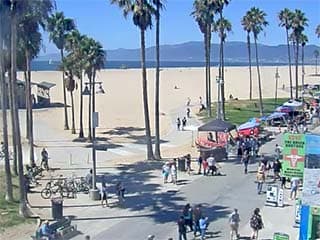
(197, 214)
(173, 170)
(184, 122)
(203, 226)
(256, 223)
(212, 164)
(205, 166)
(187, 215)
(277, 151)
(182, 230)
(245, 160)
(260, 177)
(178, 122)
(44, 159)
(188, 161)
(294, 188)
(165, 172)
(234, 221)
(188, 112)
(104, 195)
(276, 169)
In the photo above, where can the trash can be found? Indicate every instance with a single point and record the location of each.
(182, 164)
(57, 208)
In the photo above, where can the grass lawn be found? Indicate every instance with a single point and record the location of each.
(239, 111)
(9, 212)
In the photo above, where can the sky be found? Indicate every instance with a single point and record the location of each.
(105, 23)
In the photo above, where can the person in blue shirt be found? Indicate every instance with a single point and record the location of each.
(203, 226)
(45, 231)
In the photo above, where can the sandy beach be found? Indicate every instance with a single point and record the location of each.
(121, 105)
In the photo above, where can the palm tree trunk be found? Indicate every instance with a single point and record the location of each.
(157, 90)
(89, 107)
(27, 103)
(205, 35)
(222, 71)
(209, 73)
(13, 127)
(4, 97)
(81, 135)
(73, 126)
(316, 65)
(29, 110)
(302, 62)
(66, 123)
(259, 78)
(289, 58)
(250, 65)
(23, 199)
(297, 68)
(145, 97)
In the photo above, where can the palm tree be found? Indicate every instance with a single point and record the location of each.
(318, 31)
(16, 10)
(218, 5)
(142, 17)
(203, 13)
(258, 23)
(95, 61)
(222, 26)
(247, 26)
(299, 21)
(158, 6)
(59, 26)
(36, 14)
(285, 17)
(3, 91)
(303, 40)
(74, 44)
(316, 55)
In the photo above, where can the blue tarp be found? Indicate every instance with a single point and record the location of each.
(248, 125)
(275, 115)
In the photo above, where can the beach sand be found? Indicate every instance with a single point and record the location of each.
(121, 107)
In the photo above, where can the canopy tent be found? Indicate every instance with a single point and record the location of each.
(216, 125)
(248, 125)
(293, 103)
(285, 109)
(275, 115)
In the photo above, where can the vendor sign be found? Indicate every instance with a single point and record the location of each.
(293, 155)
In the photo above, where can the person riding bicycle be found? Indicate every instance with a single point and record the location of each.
(44, 160)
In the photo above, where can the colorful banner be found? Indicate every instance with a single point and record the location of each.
(293, 155)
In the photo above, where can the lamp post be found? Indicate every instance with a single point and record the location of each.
(94, 192)
(277, 76)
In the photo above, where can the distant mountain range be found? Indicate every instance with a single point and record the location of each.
(194, 51)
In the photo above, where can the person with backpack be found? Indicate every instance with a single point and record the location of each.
(234, 221)
(187, 214)
(256, 223)
(182, 230)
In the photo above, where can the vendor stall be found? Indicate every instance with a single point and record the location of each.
(214, 143)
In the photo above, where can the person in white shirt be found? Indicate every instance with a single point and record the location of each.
(234, 221)
(212, 164)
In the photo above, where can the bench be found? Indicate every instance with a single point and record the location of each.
(61, 228)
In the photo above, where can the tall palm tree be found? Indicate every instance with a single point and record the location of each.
(3, 90)
(303, 40)
(285, 17)
(247, 26)
(16, 9)
(222, 26)
(318, 31)
(299, 21)
(59, 26)
(142, 17)
(219, 5)
(158, 6)
(316, 55)
(74, 44)
(95, 61)
(258, 23)
(36, 14)
(203, 13)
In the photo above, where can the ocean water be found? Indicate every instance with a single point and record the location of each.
(54, 65)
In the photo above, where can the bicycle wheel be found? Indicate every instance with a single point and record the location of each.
(46, 193)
